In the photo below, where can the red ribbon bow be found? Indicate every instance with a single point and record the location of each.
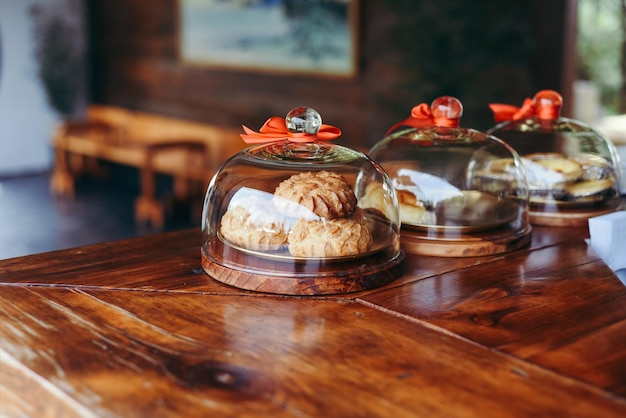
(275, 129)
(545, 105)
(422, 117)
(502, 112)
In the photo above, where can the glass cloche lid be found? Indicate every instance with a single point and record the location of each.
(573, 173)
(289, 215)
(461, 192)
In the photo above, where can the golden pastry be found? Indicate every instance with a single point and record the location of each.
(338, 237)
(376, 197)
(594, 167)
(325, 193)
(548, 177)
(245, 229)
(570, 170)
(544, 155)
(410, 209)
(502, 165)
(405, 196)
(588, 188)
(415, 215)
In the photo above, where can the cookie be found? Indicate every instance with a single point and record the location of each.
(594, 167)
(589, 188)
(570, 170)
(325, 193)
(338, 237)
(542, 178)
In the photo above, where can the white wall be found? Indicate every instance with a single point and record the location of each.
(26, 119)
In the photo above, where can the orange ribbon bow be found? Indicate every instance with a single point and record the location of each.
(545, 105)
(275, 129)
(422, 117)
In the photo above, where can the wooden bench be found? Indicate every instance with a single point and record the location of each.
(190, 152)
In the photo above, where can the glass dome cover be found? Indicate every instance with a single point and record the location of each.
(288, 215)
(452, 200)
(573, 173)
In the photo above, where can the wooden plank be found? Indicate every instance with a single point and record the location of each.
(130, 264)
(135, 353)
(175, 162)
(418, 267)
(169, 262)
(558, 306)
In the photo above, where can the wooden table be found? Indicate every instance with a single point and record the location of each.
(136, 328)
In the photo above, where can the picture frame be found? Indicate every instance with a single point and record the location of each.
(295, 37)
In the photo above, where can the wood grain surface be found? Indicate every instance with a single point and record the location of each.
(570, 319)
(136, 328)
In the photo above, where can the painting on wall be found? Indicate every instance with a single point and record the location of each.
(283, 36)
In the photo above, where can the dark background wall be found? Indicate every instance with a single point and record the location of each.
(410, 51)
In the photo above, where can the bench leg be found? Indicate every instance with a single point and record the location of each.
(191, 193)
(181, 188)
(62, 183)
(62, 180)
(149, 210)
(83, 164)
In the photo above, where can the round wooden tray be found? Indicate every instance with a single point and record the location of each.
(464, 245)
(247, 271)
(575, 213)
(567, 218)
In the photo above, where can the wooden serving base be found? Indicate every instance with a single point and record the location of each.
(465, 244)
(567, 218)
(315, 277)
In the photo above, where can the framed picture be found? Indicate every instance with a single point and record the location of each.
(316, 37)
